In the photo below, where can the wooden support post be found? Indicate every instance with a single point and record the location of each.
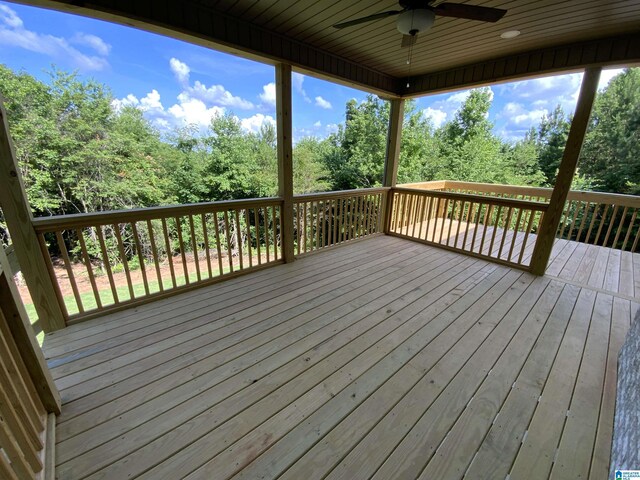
(285, 158)
(18, 216)
(394, 137)
(549, 226)
(17, 321)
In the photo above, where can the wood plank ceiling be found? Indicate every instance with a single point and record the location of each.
(370, 56)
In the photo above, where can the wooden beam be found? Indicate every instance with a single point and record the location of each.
(573, 57)
(394, 139)
(549, 226)
(17, 214)
(200, 23)
(25, 339)
(285, 157)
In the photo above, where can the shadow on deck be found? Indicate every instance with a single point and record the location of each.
(380, 359)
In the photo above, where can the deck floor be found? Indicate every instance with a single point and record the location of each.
(380, 359)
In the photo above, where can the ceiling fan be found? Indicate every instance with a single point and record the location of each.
(417, 16)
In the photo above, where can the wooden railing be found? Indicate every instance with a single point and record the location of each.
(595, 218)
(325, 219)
(499, 229)
(132, 255)
(28, 398)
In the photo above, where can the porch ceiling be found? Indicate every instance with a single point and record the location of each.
(556, 36)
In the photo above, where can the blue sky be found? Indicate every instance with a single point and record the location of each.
(176, 83)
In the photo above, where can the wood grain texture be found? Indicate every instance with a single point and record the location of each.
(354, 362)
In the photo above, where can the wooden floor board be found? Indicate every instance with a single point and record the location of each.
(381, 359)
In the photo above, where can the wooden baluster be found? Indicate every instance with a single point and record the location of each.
(239, 238)
(620, 225)
(515, 234)
(298, 232)
(165, 231)
(463, 208)
(248, 225)
(207, 250)
(613, 219)
(256, 221)
(427, 221)
(591, 224)
(304, 228)
(565, 216)
(123, 257)
(183, 254)
(453, 215)
(143, 269)
(445, 214)
(334, 219)
(87, 262)
(584, 218)
(602, 221)
(526, 236)
(470, 214)
(487, 220)
(359, 215)
(573, 219)
(275, 236)
(216, 229)
(322, 225)
(227, 236)
(435, 223)
(67, 265)
(194, 246)
(154, 252)
(626, 237)
(476, 227)
(266, 233)
(495, 230)
(107, 264)
(505, 230)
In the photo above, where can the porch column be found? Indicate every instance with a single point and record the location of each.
(18, 217)
(285, 160)
(394, 135)
(549, 226)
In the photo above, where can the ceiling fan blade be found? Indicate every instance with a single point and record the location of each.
(370, 18)
(470, 12)
(408, 40)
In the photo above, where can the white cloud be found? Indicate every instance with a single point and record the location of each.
(322, 103)
(296, 80)
(91, 41)
(255, 122)
(10, 18)
(268, 94)
(194, 112)
(14, 34)
(217, 95)
(436, 116)
(459, 97)
(318, 124)
(180, 69)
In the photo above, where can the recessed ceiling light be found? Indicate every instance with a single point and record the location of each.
(510, 34)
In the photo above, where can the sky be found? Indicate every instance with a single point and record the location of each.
(177, 84)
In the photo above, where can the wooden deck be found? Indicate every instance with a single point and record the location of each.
(380, 359)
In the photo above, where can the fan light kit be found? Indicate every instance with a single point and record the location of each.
(412, 22)
(418, 16)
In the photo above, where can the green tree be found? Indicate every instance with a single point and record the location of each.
(610, 157)
(551, 139)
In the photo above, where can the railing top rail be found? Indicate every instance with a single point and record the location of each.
(54, 222)
(506, 202)
(579, 195)
(307, 197)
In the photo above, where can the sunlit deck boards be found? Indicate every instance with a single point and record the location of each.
(381, 359)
